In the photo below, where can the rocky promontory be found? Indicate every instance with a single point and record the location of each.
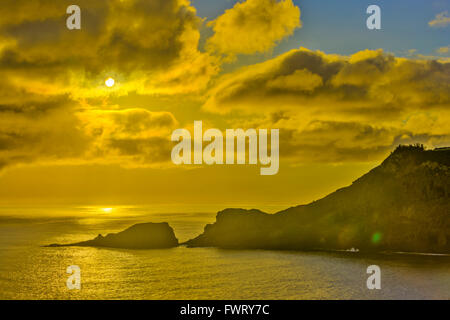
(401, 205)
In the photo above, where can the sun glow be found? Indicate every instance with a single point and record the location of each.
(107, 210)
(109, 82)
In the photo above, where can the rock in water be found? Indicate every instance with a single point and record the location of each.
(138, 236)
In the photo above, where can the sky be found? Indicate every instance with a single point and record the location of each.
(342, 96)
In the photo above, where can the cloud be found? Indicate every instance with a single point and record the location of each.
(128, 122)
(130, 137)
(300, 80)
(40, 131)
(443, 50)
(55, 108)
(149, 46)
(342, 141)
(337, 108)
(303, 80)
(441, 20)
(53, 101)
(253, 26)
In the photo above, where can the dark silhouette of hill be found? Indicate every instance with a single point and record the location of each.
(138, 236)
(401, 205)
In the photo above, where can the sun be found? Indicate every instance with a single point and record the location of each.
(107, 210)
(109, 82)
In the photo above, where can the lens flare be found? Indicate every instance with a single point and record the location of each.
(376, 237)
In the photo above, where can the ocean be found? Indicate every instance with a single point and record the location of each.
(30, 271)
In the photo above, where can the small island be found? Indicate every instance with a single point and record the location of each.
(138, 236)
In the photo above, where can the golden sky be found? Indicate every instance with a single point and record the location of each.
(67, 138)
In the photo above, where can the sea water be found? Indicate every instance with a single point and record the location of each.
(30, 271)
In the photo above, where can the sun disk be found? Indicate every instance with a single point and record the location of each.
(109, 82)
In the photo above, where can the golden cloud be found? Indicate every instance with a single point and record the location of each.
(441, 20)
(303, 79)
(44, 131)
(336, 108)
(253, 26)
(53, 98)
(130, 137)
(149, 46)
(443, 50)
(54, 106)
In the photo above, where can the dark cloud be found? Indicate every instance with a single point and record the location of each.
(52, 93)
(148, 151)
(54, 105)
(133, 40)
(48, 136)
(332, 141)
(302, 78)
(332, 108)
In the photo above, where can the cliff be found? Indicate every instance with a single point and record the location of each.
(401, 205)
(138, 236)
